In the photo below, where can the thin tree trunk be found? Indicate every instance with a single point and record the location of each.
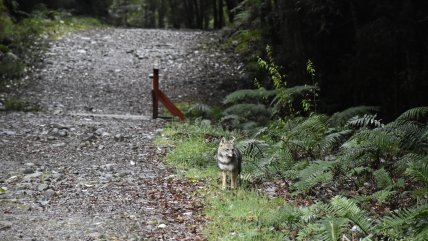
(215, 16)
(231, 4)
(161, 14)
(220, 14)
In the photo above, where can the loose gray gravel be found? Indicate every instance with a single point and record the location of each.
(85, 168)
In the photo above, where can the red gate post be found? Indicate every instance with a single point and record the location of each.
(158, 95)
(155, 89)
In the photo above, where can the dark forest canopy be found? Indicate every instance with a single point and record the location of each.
(366, 52)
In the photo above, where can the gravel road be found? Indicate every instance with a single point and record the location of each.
(86, 167)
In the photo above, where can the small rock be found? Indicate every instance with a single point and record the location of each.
(99, 131)
(60, 126)
(100, 147)
(94, 235)
(162, 225)
(57, 176)
(23, 186)
(5, 225)
(54, 131)
(109, 167)
(42, 187)
(33, 175)
(122, 174)
(62, 133)
(170, 177)
(49, 193)
(12, 179)
(44, 203)
(90, 137)
(61, 144)
(28, 170)
(8, 133)
(188, 213)
(119, 137)
(57, 112)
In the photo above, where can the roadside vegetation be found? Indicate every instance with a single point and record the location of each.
(307, 175)
(23, 40)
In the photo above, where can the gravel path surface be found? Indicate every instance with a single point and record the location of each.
(88, 177)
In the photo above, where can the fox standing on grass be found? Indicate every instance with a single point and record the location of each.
(229, 160)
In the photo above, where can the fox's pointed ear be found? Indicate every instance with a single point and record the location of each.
(233, 139)
(223, 140)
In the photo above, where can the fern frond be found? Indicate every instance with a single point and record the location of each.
(335, 139)
(252, 148)
(405, 221)
(231, 121)
(383, 179)
(364, 121)
(309, 132)
(382, 195)
(248, 95)
(415, 114)
(340, 118)
(199, 110)
(317, 172)
(410, 134)
(248, 111)
(419, 171)
(300, 90)
(346, 208)
(373, 142)
(332, 228)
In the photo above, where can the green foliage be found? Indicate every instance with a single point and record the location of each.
(200, 110)
(316, 173)
(249, 95)
(364, 121)
(193, 153)
(382, 196)
(322, 159)
(383, 179)
(6, 24)
(248, 111)
(341, 118)
(410, 222)
(278, 79)
(17, 104)
(414, 114)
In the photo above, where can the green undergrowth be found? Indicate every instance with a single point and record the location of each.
(233, 215)
(14, 103)
(307, 175)
(365, 183)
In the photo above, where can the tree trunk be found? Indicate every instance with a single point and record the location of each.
(231, 4)
(220, 14)
(216, 24)
(161, 13)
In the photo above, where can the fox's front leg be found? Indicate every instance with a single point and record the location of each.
(223, 179)
(234, 180)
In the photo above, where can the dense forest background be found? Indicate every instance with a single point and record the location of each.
(365, 52)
